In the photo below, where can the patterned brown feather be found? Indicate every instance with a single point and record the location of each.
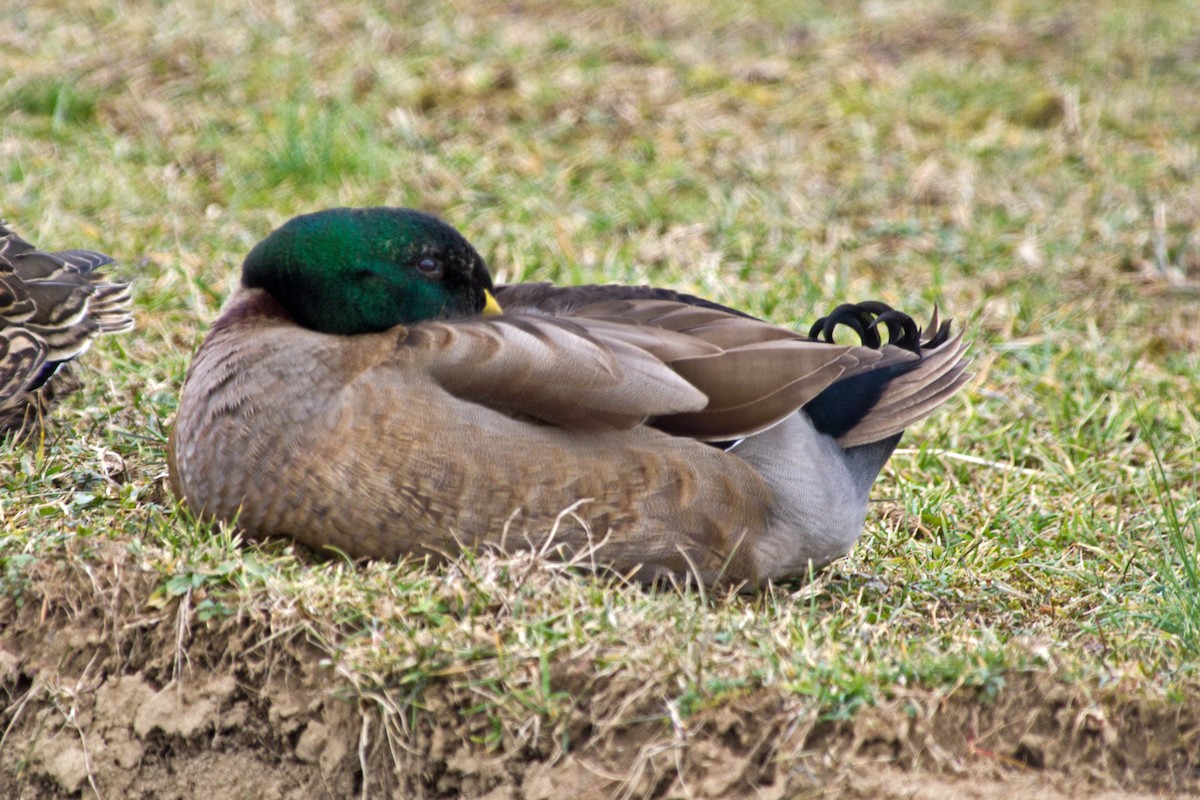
(52, 305)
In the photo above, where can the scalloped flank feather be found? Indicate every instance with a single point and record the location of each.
(52, 305)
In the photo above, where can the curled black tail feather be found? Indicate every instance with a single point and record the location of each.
(848, 401)
(866, 317)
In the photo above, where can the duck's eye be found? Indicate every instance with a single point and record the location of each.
(430, 267)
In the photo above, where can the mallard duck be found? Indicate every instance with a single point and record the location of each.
(367, 388)
(51, 307)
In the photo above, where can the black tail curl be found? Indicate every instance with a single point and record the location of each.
(866, 318)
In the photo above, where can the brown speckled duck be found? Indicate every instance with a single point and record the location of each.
(51, 307)
(368, 388)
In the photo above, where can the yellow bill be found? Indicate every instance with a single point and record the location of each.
(491, 308)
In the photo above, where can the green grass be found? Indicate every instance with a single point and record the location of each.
(1032, 170)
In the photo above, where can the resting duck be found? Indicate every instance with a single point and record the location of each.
(368, 388)
(51, 307)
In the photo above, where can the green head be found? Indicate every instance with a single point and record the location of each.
(364, 270)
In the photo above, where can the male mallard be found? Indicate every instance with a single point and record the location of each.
(51, 307)
(362, 389)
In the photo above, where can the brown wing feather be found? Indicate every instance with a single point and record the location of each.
(551, 370)
(752, 373)
(698, 371)
(546, 298)
(21, 356)
(753, 417)
(51, 307)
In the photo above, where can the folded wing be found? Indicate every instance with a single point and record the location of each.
(52, 304)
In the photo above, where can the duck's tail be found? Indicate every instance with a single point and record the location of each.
(875, 401)
(52, 304)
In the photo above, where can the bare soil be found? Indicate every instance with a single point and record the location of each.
(107, 696)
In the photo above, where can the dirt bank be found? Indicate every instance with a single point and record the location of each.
(106, 695)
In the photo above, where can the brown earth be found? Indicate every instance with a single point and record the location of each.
(106, 696)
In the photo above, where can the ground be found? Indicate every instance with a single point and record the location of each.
(118, 699)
